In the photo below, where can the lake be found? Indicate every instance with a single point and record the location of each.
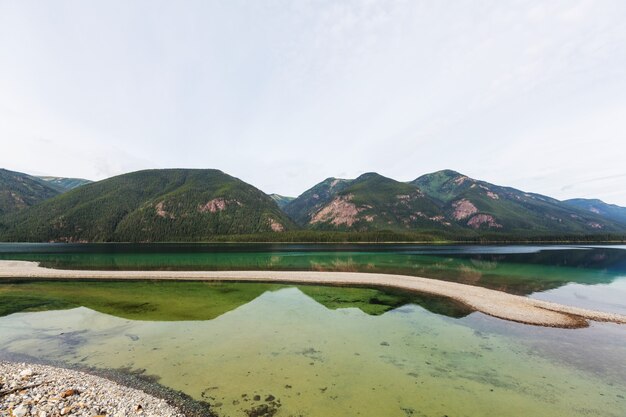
(288, 350)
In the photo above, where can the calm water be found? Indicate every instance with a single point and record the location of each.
(320, 351)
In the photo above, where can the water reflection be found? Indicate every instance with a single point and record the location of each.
(176, 301)
(520, 269)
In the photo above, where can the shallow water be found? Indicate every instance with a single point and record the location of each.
(320, 361)
(321, 351)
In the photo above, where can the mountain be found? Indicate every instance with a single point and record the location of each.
(369, 202)
(442, 202)
(308, 203)
(19, 191)
(609, 211)
(195, 205)
(483, 206)
(65, 184)
(281, 200)
(151, 205)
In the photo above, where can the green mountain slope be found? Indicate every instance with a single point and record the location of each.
(65, 184)
(609, 211)
(152, 205)
(19, 191)
(281, 200)
(370, 202)
(304, 206)
(483, 206)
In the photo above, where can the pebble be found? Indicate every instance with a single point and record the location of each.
(48, 391)
(20, 411)
(26, 373)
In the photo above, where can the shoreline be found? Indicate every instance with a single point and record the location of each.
(441, 242)
(42, 389)
(133, 379)
(491, 302)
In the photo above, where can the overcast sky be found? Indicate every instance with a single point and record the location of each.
(283, 94)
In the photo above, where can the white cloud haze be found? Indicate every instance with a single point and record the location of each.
(283, 94)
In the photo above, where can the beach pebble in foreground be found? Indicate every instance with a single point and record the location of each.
(43, 391)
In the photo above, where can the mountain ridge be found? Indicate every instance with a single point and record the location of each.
(150, 205)
(202, 204)
(64, 183)
(19, 191)
(594, 205)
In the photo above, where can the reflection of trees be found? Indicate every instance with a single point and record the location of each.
(519, 273)
(484, 265)
(338, 265)
(199, 300)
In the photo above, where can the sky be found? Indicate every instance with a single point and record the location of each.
(283, 94)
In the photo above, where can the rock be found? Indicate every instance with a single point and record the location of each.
(69, 393)
(21, 410)
(90, 396)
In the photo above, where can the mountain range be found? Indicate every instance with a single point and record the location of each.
(202, 204)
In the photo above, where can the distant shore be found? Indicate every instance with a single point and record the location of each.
(494, 303)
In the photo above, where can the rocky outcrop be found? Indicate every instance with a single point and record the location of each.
(483, 219)
(463, 209)
(217, 204)
(340, 211)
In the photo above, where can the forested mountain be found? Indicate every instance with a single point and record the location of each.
(609, 211)
(19, 191)
(309, 202)
(484, 206)
(444, 201)
(152, 205)
(369, 202)
(197, 204)
(374, 202)
(65, 184)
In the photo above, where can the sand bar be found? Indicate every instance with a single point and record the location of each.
(494, 303)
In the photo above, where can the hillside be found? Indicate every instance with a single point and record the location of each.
(19, 191)
(281, 200)
(152, 205)
(65, 184)
(609, 211)
(443, 203)
(369, 202)
(309, 202)
(483, 206)
(192, 205)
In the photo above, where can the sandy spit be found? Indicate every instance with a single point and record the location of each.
(494, 303)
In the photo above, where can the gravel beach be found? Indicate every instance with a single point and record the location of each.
(46, 391)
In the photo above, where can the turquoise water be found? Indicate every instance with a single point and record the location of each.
(559, 273)
(320, 351)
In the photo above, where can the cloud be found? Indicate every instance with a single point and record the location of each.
(284, 94)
